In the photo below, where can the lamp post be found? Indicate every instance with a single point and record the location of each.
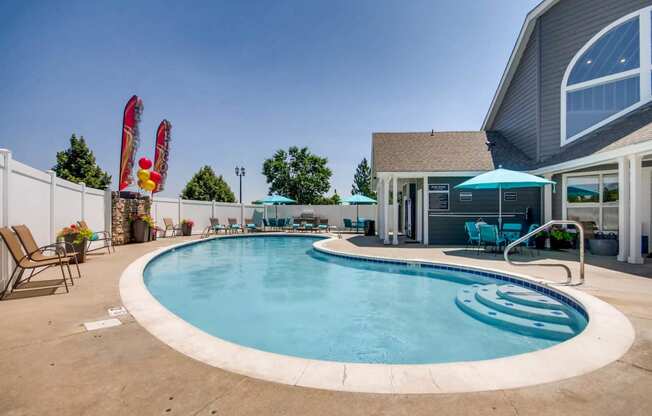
(240, 172)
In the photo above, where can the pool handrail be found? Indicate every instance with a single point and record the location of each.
(569, 275)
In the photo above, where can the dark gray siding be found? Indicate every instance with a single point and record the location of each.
(447, 227)
(558, 36)
(517, 117)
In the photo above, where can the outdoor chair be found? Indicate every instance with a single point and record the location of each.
(169, 225)
(250, 226)
(103, 236)
(489, 237)
(348, 224)
(294, 224)
(323, 225)
(24, 261)
(234, 226)
(280, 223)
(38, 254)
(273, 223)
(216, 226)
(472, 234)
(512, 231)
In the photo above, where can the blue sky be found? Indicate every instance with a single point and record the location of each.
(240, 79)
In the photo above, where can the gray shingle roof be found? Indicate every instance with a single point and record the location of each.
(444, 152)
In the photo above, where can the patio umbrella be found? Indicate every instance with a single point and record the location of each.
(358, 200)
(503, 179)
(276, 200)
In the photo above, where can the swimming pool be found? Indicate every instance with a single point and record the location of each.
(277, 294)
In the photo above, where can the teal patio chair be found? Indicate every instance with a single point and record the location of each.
(250, 226)
(216, 227)
(512, 231)
(489, 237)
(280, 223)
(348, 224)
(472, 235)
(234, 226)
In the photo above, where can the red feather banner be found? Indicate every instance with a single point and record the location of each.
(130, 140)
(162, 151)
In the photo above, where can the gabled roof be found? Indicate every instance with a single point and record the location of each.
(453, 151)
(515, 59)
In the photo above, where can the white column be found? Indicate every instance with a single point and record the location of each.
(547, 200)
(635, 194)
(53, 193)
(108, 212)
(623, 209)
(379, 207)
(418, 216)
(386, 209)
(395, 212)
(179, 210)
(426, 208)
(5, 218)
(83, 200)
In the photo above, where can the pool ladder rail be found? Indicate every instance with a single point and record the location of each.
(569, 275)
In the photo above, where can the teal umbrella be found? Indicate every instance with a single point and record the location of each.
(276, 200)
(503, 179)
(357, 200)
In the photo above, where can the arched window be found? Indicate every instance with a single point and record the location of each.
(609, 77)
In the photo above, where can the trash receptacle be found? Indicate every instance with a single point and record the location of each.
(370, 228)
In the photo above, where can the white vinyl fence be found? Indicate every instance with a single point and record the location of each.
(46, 204)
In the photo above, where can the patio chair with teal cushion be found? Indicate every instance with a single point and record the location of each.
(216, 227)
(295, 225)
(272, 222)
(280, 223)
(348, 224)
(512, 231)
(489, 237)
(234, 226)
(472, 234)
(250, 226)
(323, 224)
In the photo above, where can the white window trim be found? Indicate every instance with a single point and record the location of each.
(600, 205)
(643, 71)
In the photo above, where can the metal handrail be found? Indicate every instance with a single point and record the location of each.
(542, 228)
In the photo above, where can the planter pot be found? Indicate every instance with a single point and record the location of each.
(152, 234)
(140, 231)
(80, 248)
(603, 247)
(559, 244)
(186, 229)
(540, 243)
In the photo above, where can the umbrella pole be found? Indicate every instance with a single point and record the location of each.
(500, 208)
(357, 216)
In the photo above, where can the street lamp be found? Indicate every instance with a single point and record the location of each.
(240, 172)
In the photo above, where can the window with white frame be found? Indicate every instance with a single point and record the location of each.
(593, 198)
(609, 77)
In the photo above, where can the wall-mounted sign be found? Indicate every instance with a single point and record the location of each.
(438, 196)
(466, 197)
(510, 196)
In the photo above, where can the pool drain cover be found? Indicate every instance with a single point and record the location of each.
(105, 323)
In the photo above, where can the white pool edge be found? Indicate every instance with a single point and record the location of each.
(606, 338)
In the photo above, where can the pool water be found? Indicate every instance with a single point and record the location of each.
(277, 294)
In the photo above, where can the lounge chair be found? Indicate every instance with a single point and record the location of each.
(280, 223)
(512, 231)
(294, 224)
(38, 254)
(348, 224)
(489, 237)
(169, 225)
(273, 223)
(216, 227)
(250, 226)
(472, 234)
(234, 226)
(24, 261)
(103, 236)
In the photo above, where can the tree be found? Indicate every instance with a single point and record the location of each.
(298, 174)
(77, 164)
(362, 180)
(332, 200)
(205, 185)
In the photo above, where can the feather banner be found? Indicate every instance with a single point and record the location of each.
(130, 140)
(162, 152)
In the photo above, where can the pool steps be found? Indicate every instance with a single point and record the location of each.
(516, 313)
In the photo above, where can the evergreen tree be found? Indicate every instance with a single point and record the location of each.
(362, 180)
(298, 174)
(332, 200)
(206, 186)
(77, 164)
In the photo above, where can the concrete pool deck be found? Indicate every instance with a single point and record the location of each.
(51, 364)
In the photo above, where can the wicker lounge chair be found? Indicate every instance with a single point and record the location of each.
(103, 236)
(169, 225)
(24, 261)
(37, 254)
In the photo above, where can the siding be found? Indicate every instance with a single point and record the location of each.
(517, 119)
(448, 226)
(565, 28)
(536, 86)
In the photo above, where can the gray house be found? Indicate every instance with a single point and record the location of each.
(573, 105)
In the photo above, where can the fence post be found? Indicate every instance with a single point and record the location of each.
(83, 200)
(53, 205)
(108, 212)
(179, 210)
(212, 209)
(5, 218)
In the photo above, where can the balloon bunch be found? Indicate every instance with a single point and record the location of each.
(148, 180)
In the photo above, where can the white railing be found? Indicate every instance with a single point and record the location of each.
(46, 204)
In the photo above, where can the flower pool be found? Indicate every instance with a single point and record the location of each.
(278, 294)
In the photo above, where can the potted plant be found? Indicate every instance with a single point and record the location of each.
(78, 237)
(540, 240)
(560, 239)
(151, 234)
(186, 227)
(140, 229)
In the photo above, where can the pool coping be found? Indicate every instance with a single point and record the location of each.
(606, 338)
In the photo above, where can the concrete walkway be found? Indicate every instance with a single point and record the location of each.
(51, 365)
